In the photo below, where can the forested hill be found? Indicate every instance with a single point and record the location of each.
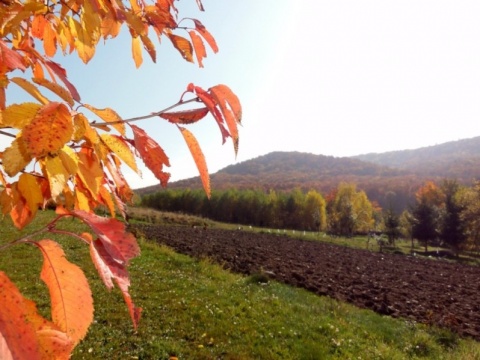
(452, 159)
(393, 175)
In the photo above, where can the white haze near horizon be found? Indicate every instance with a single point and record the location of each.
(338, 78)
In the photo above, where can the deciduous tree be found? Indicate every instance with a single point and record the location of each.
(70, 153)
(426, 213)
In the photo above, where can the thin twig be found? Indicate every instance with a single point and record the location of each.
(27, 238)
(100, 124)
(7, 134)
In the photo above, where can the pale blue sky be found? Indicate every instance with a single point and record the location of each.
(339, 78)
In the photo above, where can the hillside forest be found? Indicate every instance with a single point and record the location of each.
(443, 213)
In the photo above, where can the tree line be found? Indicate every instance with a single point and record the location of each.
(442, 214)
(345, 211)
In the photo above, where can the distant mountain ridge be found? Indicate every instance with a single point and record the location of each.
(451, 159)
(388, 178)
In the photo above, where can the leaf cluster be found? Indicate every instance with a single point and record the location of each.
(70, 154)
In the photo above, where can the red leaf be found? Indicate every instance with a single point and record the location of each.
(200, 5)
(206, 35)
(120, 244)
(11, 58)
(109, 269)
(152, 154)
(62, 74)
(185, 117)
(211, 105)
(231, 110)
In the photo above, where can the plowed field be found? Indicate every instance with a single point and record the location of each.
(428, 291)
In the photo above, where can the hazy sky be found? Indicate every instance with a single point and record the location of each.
(339, 78)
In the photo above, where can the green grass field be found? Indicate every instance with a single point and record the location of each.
(196, 310)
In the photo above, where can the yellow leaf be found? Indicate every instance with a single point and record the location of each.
(197, 155)
(83, 42)
(71, 298)
(137, 51)
(108, 115)
(69, 160)
(49, 131)
(16, 157)
(64, 37)
(121, 149)
(80, 123)
(31, 89)
(30, 190)
(19, 115)
(57, 175)
(58, 90)
(82, 197)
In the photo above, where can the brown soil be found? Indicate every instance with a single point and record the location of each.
(428, 291)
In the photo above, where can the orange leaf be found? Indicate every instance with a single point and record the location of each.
(49, 40)
(120, 244)
(200, 52)
(197, 155)
(182, 45)
(18, 339)
(106, 199)
(90, 171)
(108, 115)
(38, 71)
(24, 334)
(31, 89)
(20, 211)
(71, 298)
(58, 90)
(152, 154)
(110, 26)
(231, 110)
(148, 45)
(38, 26)
(185, 117)
(137, 51)
(206, 35)
(49, 131)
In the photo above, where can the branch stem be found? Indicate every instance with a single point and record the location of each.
(138, 118)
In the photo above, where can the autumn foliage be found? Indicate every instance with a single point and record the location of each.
(68, 153)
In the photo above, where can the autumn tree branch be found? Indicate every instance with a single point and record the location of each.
(144, 117)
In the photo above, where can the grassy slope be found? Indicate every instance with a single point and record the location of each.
(196, 310)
